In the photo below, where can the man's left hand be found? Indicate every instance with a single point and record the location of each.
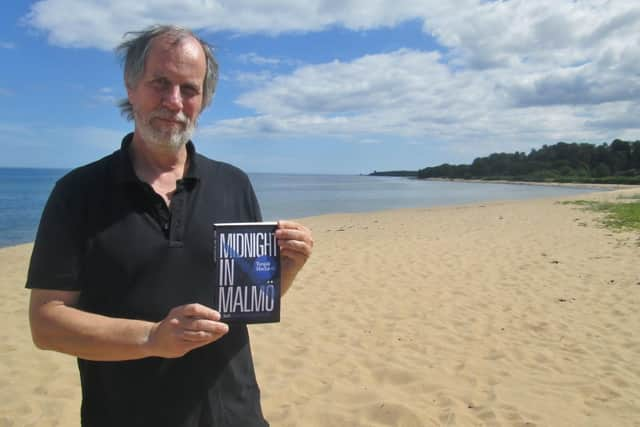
(296, 244)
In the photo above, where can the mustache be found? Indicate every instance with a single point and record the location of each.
(168, 115)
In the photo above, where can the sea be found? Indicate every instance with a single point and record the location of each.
(24, 192)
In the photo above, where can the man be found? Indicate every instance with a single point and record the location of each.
(121, 274)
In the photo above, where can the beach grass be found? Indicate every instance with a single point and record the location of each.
(619, 215)
(631, 197)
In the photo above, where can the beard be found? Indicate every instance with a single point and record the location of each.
(170, 138)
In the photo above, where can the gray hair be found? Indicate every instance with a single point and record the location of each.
(134, 51)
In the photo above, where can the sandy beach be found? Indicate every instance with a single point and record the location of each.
(500, 314)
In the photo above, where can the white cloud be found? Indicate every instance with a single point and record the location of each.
(369, 141)
(105, 95)
(516, 72)
(248, 78)
(413, 96)
(105, 99)
(621, 117)
(254, 58)
(101, 24)
(553, 48)
(481, 32)
(7, 45)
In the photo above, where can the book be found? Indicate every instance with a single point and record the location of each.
(247, 272)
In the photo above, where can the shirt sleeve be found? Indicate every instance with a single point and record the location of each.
(56, 253)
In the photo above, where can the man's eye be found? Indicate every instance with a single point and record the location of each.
(159, 84)
(189, 91)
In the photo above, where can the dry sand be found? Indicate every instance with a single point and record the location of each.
(515, 313)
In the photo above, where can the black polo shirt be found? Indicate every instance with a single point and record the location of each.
(108, 235)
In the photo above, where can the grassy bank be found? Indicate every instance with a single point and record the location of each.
(624, 214)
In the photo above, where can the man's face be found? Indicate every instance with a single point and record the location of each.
(168, 98)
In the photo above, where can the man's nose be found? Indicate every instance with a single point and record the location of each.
(172, 98)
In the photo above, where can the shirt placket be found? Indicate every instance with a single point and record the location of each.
(177, 223)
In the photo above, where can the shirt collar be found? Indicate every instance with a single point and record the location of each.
(124, 172)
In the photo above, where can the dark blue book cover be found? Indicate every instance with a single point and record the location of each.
(247, 272)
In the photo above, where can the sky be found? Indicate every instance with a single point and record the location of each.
(331, 86)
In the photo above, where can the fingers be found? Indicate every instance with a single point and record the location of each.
(196, 311)
(284, 224)
(196, 322)
(294, 237)
(299, 246)
(201, 330)
(204, 336)
(298, 258)
(185, 328)
(290, 230)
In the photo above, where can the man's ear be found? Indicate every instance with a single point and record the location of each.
(131, 94)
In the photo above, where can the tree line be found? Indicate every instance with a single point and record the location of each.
(616, 163)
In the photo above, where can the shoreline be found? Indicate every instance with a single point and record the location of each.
(598, 187)
(538, 183)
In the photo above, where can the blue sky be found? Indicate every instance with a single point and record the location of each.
(332, 87)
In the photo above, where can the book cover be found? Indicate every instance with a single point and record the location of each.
(247, 272)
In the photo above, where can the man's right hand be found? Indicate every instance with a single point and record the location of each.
(56, 324)
(185, 328)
